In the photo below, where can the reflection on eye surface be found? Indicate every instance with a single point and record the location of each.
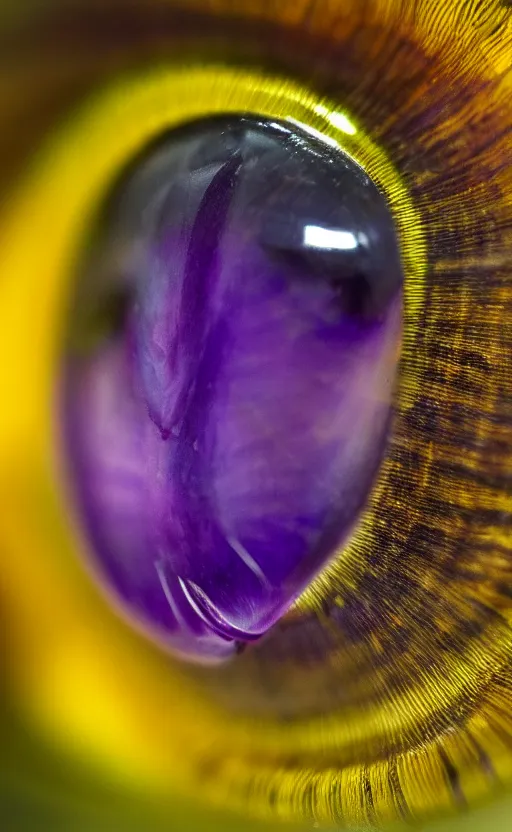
(384, 694)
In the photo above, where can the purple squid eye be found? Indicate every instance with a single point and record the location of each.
(228, 382)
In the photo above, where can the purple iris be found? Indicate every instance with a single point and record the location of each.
(224, 432)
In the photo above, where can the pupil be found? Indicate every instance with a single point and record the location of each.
(229, 375)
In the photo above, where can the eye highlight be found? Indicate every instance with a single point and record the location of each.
(383, 694)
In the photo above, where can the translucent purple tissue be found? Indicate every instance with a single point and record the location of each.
(228, 385)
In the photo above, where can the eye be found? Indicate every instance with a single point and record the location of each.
(356, 157)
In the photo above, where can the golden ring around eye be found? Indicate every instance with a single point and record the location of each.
(120, 702)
